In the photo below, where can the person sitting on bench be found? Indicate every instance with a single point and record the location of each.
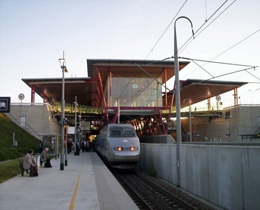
(29, 163)
(44, 155)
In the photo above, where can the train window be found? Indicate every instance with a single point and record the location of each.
(121, 132)
(115, 133)
(129, 133)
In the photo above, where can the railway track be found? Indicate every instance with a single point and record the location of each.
(150, 193)
(139, 200)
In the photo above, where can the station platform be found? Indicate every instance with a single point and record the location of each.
(85, 183)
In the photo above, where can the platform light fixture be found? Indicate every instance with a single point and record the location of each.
(63, 64)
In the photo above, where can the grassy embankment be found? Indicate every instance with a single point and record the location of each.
(25, 142)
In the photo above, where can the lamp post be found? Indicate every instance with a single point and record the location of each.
(177, 98)
(66, 143)
(189, 119)
(75, 129)
(64, 69)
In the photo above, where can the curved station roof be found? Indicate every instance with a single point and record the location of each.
(136, 86)
(86, 88)
(199, 90)
(51, 89)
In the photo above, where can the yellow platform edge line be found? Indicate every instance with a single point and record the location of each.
(72, 202)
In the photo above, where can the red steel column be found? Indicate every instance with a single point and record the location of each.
(32, 94)
(165, 90)
(158, 128)
(102, 93)
(208, 104)
(98, 98)
(162, 122)
(115, 118)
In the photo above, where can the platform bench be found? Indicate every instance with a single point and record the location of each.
(21, 165)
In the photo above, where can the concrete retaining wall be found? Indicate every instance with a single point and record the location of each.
(241, 120)
(157, 139)
(228, 176)
(39, 119)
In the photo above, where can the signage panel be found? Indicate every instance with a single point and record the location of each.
(5, 104)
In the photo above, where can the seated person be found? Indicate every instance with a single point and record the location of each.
(29, 163)
(44, 156)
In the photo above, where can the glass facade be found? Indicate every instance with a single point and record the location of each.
(134, 92)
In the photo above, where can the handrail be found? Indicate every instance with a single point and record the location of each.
(70, 108)
(27, 126)
(241, 105)
(29, 104)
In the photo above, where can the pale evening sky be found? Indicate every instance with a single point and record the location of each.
(34, 34)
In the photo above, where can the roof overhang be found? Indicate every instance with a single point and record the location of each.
(199, 90)
(132, 68)
(51, 89)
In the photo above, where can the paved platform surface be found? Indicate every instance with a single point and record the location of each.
(85, 183)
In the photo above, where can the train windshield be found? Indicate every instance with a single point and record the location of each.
(121, 132)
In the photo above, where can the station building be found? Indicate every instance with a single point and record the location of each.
(136, 92)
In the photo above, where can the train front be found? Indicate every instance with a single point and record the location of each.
(123, 146)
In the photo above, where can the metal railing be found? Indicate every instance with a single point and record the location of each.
(70, 108)
(27, 127)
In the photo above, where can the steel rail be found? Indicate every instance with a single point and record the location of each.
(137, 198)
(166, 192)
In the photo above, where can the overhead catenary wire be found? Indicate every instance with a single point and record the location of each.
(202, 68)
(246, 69)
(202, 81)
(233, 64)
(197, 33)
(124, 88)
(145, 85)
(155, 46)
(158, 42)
(206, 19)
(165, 30)
(217, 77)
(236, 44)
(228, 49)
(152, 62)
(252, 75)
(151, 76)
(216, 62)
(214, 77)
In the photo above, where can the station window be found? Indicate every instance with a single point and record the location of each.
(134, 92)
(227, 116)
(22, 121)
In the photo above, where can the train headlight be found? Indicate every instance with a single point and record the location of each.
(118, 149)
(133, 148)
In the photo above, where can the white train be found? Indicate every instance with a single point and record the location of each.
(119, 145)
